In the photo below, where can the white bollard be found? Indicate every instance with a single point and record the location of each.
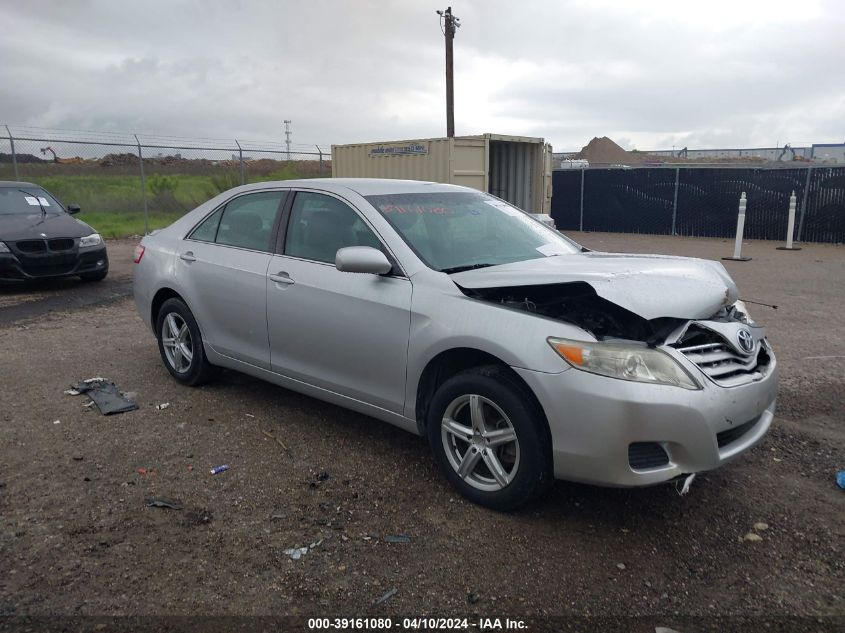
(740, 229)
(790, 225)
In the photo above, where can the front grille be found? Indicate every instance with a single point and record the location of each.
(31, 246)
(732, 435)
(718, 360)
(647, 455)
(61, 244)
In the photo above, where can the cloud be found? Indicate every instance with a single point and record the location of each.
(652, 74)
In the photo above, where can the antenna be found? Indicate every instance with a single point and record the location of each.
(287, 137)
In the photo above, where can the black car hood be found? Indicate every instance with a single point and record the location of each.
(17, 226)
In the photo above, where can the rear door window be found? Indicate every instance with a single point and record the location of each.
(248, 220)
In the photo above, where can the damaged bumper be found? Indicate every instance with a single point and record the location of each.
(614, 432)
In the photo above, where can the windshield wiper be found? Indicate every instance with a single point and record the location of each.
(38, 200)
(459, 269)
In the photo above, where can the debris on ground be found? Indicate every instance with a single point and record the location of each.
(322, 476)
(57, 421)
(219, 469)
(397, 538)
(387, 596)
(295, 553)
(162, 406)
(104, 394)
(752, 537)
(472, 598)
(840, 479)
(620, 566)
(760, 526)
(163, 503)
(268, 434)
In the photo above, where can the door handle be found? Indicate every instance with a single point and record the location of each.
(188, 257)
(281, 278)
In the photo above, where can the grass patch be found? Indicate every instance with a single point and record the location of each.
(112, 225)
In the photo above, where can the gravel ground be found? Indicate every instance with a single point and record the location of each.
(76, 537)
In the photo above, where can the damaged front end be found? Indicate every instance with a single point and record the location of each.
(728, 347)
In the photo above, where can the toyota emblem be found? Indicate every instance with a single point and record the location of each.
(745, 340)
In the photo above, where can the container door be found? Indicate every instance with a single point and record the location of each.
(469, 163)
(547, 179)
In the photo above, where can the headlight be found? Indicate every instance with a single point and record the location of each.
(626, 362)
(4, 248)
(92, 240)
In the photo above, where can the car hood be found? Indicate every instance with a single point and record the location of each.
(651, 286)
(24, 227)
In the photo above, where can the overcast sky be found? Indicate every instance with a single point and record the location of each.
(649, 74)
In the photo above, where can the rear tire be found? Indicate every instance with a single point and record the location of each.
(180, 344)
(490, 438)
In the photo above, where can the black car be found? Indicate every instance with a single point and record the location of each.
(40, 239)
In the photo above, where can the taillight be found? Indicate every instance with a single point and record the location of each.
(139, 253)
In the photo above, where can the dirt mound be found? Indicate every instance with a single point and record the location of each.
(603, 151)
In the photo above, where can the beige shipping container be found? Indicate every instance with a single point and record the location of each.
(514, 168)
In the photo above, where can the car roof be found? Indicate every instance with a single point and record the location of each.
(14, 183)
(363, 186)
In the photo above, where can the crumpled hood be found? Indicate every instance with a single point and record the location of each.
(30, 226)
(651, 286)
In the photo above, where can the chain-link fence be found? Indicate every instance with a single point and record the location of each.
(702, 201)
(134, 183)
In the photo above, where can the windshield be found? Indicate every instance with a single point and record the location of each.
(454, 231)
(27, 201)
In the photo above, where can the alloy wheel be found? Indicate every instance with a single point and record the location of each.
(480, 442)
(177, 343)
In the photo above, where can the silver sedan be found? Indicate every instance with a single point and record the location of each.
(452, 314)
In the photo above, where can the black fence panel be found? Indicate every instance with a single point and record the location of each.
(708, 201)
(629, 200)
(825, 217)
(642, 200)
(566, 199)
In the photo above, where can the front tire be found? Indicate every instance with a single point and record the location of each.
(490, 438)
(180, 344)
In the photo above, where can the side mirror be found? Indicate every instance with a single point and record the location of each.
(362, 259)
(73, 209)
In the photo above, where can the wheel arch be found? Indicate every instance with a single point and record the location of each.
(162, 295)
(450, 362)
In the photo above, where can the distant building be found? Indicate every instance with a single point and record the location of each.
(817, 152)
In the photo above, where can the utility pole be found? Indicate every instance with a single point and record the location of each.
(449, 25)
(287, 137)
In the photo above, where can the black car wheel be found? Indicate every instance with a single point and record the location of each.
(489, 438)
(180, 344)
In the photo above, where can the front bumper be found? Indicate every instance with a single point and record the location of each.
(594, 420)
(18, 267)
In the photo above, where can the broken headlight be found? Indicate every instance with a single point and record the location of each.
(740, 309)
(626, 362)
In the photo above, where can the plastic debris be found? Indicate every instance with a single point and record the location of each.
(105, 395)
(620, 566)
(398, 538)
(840, 479)
(57, 421)
(72, 392)
(162, 406)
(164, 503)
(219, 469)
(760, 526)
(752, 537)
(323, 476)
(664, 629)
(687, 483)
(295, 553)
(387, 596)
